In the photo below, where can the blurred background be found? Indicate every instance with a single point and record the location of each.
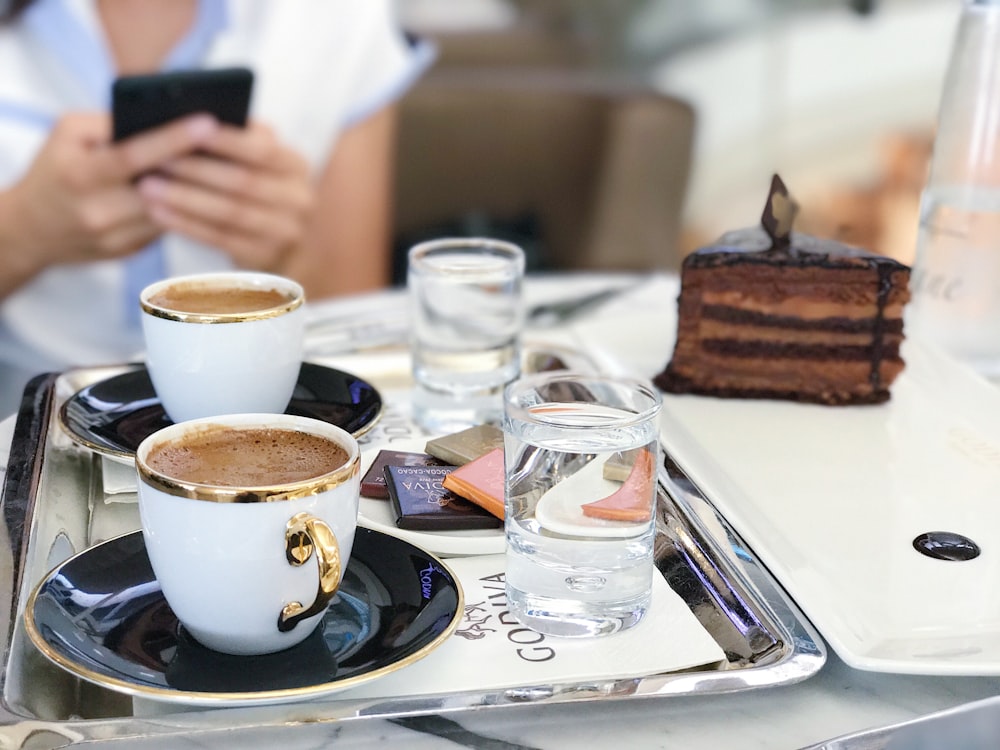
(622, 134)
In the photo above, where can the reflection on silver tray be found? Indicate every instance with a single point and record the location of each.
(766, 640)
(101, 615)
(112, 416)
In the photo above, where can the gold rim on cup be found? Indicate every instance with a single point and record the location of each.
(242, 280)
(217, 493)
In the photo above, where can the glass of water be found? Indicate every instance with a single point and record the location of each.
(467, 319)
(581, 460)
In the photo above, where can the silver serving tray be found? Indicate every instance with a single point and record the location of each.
(54, 506)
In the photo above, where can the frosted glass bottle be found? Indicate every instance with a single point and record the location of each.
(956, 274)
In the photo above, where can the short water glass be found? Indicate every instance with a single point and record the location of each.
(467, 319)
(581, 461)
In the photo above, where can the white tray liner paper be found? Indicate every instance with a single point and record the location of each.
(492, 651)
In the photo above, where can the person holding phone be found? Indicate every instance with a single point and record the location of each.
(85, 222)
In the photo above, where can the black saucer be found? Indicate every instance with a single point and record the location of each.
(101, 616)
(113, 416)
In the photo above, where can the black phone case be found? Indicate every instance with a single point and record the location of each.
(144, 101)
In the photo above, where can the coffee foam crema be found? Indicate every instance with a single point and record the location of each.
(204, 299)
(265, 459)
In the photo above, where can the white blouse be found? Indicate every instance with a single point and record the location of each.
(320, 65)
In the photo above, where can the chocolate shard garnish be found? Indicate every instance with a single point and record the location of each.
(779, 214)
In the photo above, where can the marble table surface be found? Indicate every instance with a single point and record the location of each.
(836, 701)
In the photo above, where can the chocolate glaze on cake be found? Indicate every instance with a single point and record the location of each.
(766, 313)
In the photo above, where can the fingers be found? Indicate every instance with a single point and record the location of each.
(117, 220)
(147, 151)
(255, 235)
(246, 251)
(244, 193)
(73, 205)
(278, 184)
(127, 238)
(77, 153)
(249, 163)
(89, 128)
(81, 147)
(255, 145)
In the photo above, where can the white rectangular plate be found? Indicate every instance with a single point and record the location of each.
(831, 499)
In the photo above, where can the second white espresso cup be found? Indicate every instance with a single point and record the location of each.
(223, 343)
(249, 523)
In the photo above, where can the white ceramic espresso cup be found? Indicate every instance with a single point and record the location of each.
(212, 361)
(249, 569)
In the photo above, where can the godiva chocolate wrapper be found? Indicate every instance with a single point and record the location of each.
(373, 482)
(421, 502)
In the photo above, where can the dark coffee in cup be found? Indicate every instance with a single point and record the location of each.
(205, 298)
(232, 456)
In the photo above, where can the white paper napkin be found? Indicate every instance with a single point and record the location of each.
(119, 480)
(633, 335)
(491, 651)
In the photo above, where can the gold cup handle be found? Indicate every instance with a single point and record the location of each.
(305, 534)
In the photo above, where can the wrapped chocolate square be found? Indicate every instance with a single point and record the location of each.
(466, 445)
(421, 502)
(373, 482)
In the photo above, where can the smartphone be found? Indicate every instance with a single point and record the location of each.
(140, 102)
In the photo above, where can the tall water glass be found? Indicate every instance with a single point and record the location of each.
(467, 319)
(581, 458)
(956, 272)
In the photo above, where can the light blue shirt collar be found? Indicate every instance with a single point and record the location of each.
(86, 56)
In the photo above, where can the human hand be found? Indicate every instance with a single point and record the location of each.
(78, 200)
(244, 193)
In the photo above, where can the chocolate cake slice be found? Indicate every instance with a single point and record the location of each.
(770, 313)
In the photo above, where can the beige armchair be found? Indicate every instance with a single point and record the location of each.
(588, 173)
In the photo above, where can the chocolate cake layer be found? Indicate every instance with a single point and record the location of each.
(785, 350)
(826, 382)
(714, 331)
(742, 317)
(807, 375)
(837, 397)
